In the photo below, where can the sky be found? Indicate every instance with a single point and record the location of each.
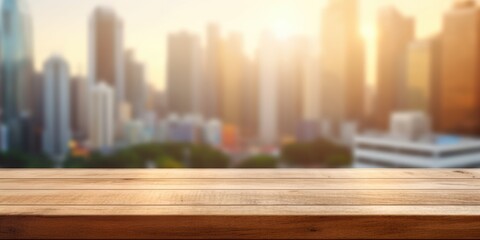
(61, 26)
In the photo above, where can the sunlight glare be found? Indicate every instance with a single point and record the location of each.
(283, 29)
(368, 33)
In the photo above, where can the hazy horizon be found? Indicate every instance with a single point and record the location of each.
(60, 26)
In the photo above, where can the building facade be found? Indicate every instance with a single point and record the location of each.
(460, 99)
(106, 54)
(16, 71)
(423, 77)
(135, 85)
(342, 63)
(102, 117)
(395, 32)
(184, 74)
(56, 105)
(268, 80)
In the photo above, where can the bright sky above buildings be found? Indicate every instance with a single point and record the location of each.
(60, 26)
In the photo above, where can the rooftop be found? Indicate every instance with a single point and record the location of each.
(438, 142)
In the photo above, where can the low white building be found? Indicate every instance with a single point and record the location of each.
(385, 151)
(403, 147)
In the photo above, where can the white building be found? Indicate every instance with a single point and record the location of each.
(106, 55)
(212, 132)
(56, 103)
(102, 117)
(404, 147)
(268, 79)
(134, 133)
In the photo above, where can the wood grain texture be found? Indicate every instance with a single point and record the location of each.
(240, 204)
(243, 174)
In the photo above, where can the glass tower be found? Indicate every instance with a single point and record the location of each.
(16, 70)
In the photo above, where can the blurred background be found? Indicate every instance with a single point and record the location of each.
(240, 84)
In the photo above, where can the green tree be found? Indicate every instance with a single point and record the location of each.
(168, 162)
(260, 161)
(318, 153)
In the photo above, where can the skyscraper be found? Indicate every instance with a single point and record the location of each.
(268, 78)
(233, 75)
(79, 95)
(459, 88)
(16, 70)
(135, 86)
(56, 105)
(106, 54)
(423, 76)
(102, 117)
(342, 59)
(291, 86)
(395, 32)
(184, 74)
(213, 73)
(250, 100)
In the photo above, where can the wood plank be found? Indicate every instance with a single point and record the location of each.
(240, 204)
(240, 227)
(332, 210)
(240, 197)
(247, 184)
(245, 174)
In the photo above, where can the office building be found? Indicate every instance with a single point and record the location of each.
(411, 144)
(184, 74)
(268, 80)
(79, 97)
(38, 111)
(211, 89)
(56, 105)
(423, 76)
(106, 54)
(291, 86)
(212, 132)
(102, 117)
(3, 138)
(342, 64)
(250, 101)
(460, 75)
(135, 85)
(395, 31)
(16, 70)
(233, 75)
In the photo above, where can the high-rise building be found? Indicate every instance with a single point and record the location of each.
(250, 101)
(79, 97)
(56, 105)
(291, 86)
(395, 32)
(459, 100)
(423, 76)
(342, 59)
(268, 78)
(3, 138)
(106, 53)
(213, 73)
(102, 117)
(16, 70)
(233, 75)
(184, 73)
(311, 97)
(135, 86)
(38, 111)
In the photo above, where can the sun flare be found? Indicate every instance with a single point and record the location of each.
(283, 29)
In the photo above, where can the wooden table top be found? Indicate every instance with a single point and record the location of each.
(240, 204)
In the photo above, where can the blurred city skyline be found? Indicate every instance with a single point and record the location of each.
(148, 23)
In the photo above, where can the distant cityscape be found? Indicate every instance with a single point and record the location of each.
(423, 112)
